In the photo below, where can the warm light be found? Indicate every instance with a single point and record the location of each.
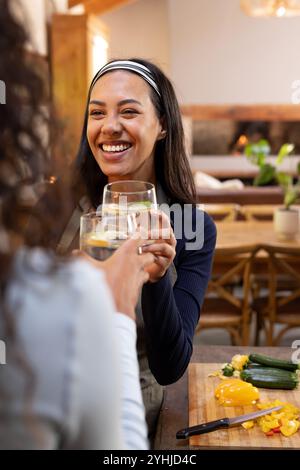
(52, 179)
(281, 11)
(242, 140)
(276, 8)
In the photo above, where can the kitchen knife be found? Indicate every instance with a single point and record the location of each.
(222, 423)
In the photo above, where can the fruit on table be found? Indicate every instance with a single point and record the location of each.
(235, 392)
(227, 370)
(289, 426)
(284, 421)
(239, 361)
(248, 424)
(272, 362)
(268, 377)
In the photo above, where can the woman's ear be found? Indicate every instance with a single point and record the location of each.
(162, 134)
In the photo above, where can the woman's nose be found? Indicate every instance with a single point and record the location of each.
(111, 125)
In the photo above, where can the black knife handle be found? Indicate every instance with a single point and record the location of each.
(203, 428)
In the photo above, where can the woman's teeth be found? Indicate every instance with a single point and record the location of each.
(115, 148)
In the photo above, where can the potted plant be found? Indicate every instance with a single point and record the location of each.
(286, 219)
(268, 173)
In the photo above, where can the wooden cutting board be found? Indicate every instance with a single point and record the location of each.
(204, 407)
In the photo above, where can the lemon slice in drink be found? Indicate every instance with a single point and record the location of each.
(94, 240)
(139, 206)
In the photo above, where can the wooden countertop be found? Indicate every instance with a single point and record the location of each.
(174, 413)
(250, 233)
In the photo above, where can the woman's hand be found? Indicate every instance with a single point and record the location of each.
(163, 248)
(125, 273)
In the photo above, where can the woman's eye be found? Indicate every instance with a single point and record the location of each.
(129, 111)
(96, 112)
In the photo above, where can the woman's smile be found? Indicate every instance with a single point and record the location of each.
(115, 150)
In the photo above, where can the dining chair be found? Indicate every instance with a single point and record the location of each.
(258, 211)
(228, 308)
(281, 305)
(224, 212)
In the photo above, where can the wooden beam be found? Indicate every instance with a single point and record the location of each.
(74, 3)
(98, 7)
(240, 112)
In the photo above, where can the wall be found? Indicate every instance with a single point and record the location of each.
(211, 50)
(140, 29)
(219, 55)
(36, 13)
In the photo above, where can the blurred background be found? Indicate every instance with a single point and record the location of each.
(235, 68)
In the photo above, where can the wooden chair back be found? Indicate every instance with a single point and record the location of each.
(283, 306)
(224, 212)
(228, 300)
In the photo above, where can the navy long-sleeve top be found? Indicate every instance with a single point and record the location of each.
(171, 313)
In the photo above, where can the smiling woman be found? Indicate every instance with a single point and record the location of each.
(122, 132)
(133, 130)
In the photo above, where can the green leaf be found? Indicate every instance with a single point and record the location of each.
(290, 197)
(292, 194)
(257, 152)
(285, 149)
(265, 176)
(264, 146)
(261, 159)
(284, 179)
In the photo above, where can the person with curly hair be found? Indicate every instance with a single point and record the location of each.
(67, 384)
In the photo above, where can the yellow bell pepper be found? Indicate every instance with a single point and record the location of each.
(235, 392)
(248, 424)
(289, 426)
(238, 361)
(285, 420)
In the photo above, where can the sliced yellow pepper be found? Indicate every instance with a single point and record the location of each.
(289, 427)
(235, 392)
(285, 420)
(238, 361)
(248, 424)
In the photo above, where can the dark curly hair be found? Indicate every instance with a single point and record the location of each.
(24, 145)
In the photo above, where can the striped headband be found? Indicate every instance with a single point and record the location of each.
(140, 69)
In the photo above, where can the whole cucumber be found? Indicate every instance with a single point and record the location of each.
(272, 362)
(270, 378)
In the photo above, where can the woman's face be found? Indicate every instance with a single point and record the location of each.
(123, 127)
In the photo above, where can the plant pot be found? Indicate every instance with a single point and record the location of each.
(286, 223)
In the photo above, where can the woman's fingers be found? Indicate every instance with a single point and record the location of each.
(155, 225)
(160, 249)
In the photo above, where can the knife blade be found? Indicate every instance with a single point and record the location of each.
(222, 423)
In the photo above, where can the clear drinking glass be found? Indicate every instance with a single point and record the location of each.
(102, 233)
(132, 197)
(129, 196)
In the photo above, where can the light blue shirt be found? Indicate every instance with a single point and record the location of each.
(71, 378)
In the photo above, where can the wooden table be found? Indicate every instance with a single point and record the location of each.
(174, 413)
(239, 166)
(247, 195)
(250, 233)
